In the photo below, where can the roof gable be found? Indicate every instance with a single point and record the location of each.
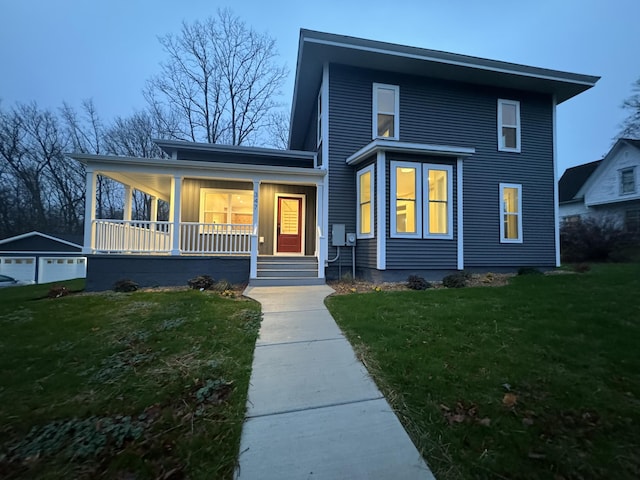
(573, 179)
(37, 242)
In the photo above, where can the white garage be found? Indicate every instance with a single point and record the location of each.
(38, 257)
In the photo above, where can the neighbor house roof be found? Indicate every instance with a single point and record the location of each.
(317, 48)
(573, 179)
(38, 241)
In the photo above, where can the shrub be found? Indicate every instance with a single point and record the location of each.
(456, 280)
(591, 239)
(125, 285)
(58, 291)
(201, 282)
(222, 286)
(529, 271)
(416, 282)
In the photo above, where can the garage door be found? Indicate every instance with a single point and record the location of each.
(56, 269)
(20, 268)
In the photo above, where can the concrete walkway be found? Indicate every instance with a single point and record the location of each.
(313, 411)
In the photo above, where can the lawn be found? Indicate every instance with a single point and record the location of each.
(537, 379)
(123, 385)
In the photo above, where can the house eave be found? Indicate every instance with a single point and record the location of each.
(318, 48)
(169, 166)
(169, 146)
(633, 198)
(381, 145)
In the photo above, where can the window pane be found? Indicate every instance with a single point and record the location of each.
(406, 216)
(241, 203)
(212, 217)
(386, 100)
(510, 200)
(509, 137)
(406, 183)
(216, 201)
(509, 115)
(511, 226)
(628, 181)
(289, 216)
(438, 217)
(365, 218)
(365, 187)
(385, 125)
(438, 185)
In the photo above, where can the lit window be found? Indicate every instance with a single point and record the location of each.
(511, 213)
(437, 184)
(365, 202)
(627, 181)
(230, 207)
(508, 126)
(385, 111)
(405, 200)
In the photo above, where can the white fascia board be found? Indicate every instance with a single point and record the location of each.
(628, 198)
(426, 58)
(556, 202)
(407, 147)
(44, 235)
(194, 168)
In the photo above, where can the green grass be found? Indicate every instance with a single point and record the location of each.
(143, 384)
(566, 346)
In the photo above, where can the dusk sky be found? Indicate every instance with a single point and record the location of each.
(69, 50)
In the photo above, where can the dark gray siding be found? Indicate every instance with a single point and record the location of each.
(190, 206)
(267, 211)
(245, 159)
(366, 248)
(311, 137)
(421, 253)
(457, 114)
(149, 271)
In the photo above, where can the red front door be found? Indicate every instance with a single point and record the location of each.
(289, 234)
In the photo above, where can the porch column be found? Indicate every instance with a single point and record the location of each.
(320, 235)
(128, 202)
(89, 211)
(175, 213)
(253, 270)
(153, 209)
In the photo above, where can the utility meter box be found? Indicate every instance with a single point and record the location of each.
(351, 239)
(337, 235)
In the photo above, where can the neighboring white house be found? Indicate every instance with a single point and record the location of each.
(607, 188)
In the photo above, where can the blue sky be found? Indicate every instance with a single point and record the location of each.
(69, 50)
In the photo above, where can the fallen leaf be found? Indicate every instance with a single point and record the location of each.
(485, 422)
(537, 456)
(527, 422)
(509, 399)
(444, 407)
(459, 418)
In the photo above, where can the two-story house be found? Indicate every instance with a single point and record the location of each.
(607, 190)
(434, 161)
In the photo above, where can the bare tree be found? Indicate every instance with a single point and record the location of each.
(631, 126)
(278, 130)
(220, 80)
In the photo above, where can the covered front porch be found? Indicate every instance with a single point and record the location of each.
(226, 210)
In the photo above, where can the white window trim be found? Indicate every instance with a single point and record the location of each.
(517, 126)
(396, 112)
(319, 120)
(517, 186)
(635, 185)
(393, 198)
(228, 191)
(370, 169)
(425, 189)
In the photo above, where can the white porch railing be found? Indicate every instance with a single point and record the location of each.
(215, 238)
(133, 236)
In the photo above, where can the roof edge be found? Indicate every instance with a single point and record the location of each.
(36, 233)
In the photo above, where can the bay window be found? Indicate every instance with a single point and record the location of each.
(365, 197)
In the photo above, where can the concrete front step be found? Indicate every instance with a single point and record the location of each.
(285, 281)
(284, 258)
(275, 272)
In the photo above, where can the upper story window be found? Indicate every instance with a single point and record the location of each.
(386, 108)
(628, 181)
(319, 127)
(508, 125)
(365, 202)
(511, 213)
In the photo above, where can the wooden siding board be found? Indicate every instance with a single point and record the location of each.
(450, 113)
